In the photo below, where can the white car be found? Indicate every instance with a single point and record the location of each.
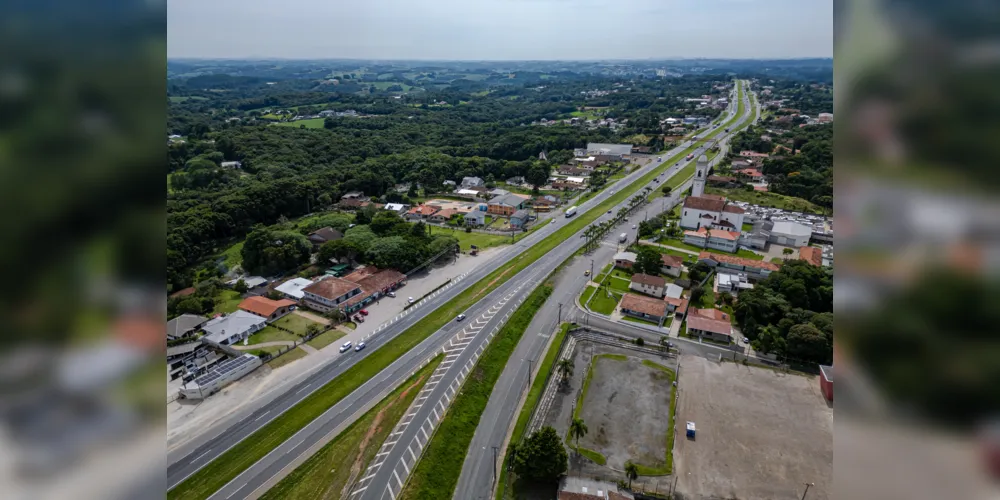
(460, 317)
(392, 294)
(361, 345)
(633, 226)
(410, 299)
(345, 347)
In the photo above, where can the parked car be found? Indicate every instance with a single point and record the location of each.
(410, 299)
(392, 294)
(361, 345)
(460, 317)
(746, 340)
(364, 312)
(633, 226)
(609, 210)
(346, 347)
(587, 272)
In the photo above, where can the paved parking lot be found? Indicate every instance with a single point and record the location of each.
(761, 434)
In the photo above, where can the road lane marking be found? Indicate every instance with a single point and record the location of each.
(262, 415)
(202, 455)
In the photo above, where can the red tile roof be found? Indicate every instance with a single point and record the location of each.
(711, 314)
(697, 321)
(263, 306)
(183, 293)
(738, 261)
(811, 255)
(330, 288)
(447, 213)
(645, 305)
(704, 203)
(715, 233)
(733, 209)
(680, 303)
(648, 280)
(751, 172)
(671, 260)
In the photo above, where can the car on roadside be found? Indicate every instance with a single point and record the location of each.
(364, 312)
(633, 226)
(587, 272)
(460, 317)
(609, 210)
(410, 299)
(360, 346)
(346, 347)
(392, 294)
(746, 340)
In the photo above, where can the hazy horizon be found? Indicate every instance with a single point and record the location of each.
(500, 30)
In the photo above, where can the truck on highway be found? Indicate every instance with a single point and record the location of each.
(623, 238)
(571, 211)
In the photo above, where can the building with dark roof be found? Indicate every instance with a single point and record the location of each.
(326, 234)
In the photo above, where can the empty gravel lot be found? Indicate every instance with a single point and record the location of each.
(760, 434)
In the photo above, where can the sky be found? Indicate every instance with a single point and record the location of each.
(500, 29)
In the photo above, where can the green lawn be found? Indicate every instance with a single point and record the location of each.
(227, 301)
(602, 304)
(707, 300)
(466, 240)
(233, 255)
(176, 98)
(271, 334)
(537, 387)
(618, 284)
(767, 199)
(621, 273)
(678, 243)
(325, 474)
(288, 357)
(667, 466)
(310, 123)
(326, 338)
(223, 469)
(645, 321)
(742, 252)
(747, 227)
(688, 258)
(436, 474)
(350, 324)
(295, 323)
(604, 273)
(587, 293)
(592, 455)
(384, 85)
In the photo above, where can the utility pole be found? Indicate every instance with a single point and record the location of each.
(591, 269)
(560, 314)
(494, 466)
(530, 368)
(807, 490)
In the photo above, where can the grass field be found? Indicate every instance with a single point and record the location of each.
(310, 123)
(677, 243)
(587, 293)
(176, 98)
(688, 258)
(747, 227)
(644, 321)
(326, 338)
(226, 467)
(227, 301)
(335, 468)
(295, 323)
(772, 200)
(286, 358)
(233, 255)
(617, 284)
(466, 240)
(602, 304)
(271, 334)
(436, 474)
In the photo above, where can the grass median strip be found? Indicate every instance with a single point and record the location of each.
(336, 468)
(223, 469)
(436, 474)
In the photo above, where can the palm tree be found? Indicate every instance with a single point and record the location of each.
(566, 368)
(631, 472)
(577, 429)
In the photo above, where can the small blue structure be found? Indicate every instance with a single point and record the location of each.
(690, 430)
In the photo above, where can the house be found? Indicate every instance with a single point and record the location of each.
(231, 328)
(563, 186)
(671, 265)
(188, 360)
(731, 264)
(714, 239)
(354, 203)
(753, 155)
(709, 323)
(267, 308)
(758, 236)
(443, 215)
(507, 204)
(475, 218)
(625, 260)
(588, 163)
(421, 212)
(326, 234)
(293, 288)
(232, 164)
(676, 305)
(571, 170)
(644, 307)
(498, 192)
(519, 219)
(327, 112)
(649, 285)
(469, 182)
(353, 195)
(543, 203)
(577, 180)
(184, 325)
(712, 212)
(517, 180)
(399, 208)
(250, 281)
(354, 291)
(738, 165)
(672, 291)
(752, 173)
(449, 183)
(580, 488)
(722, 181)
(621, 152)
(825, 117)
(811, 255)
(468, 193)
(732, 284)
(790, 234)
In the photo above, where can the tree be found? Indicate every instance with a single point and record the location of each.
(240, 286)
(807, 343)
(383, 221)
(631, 472)
(698, 272)
(537, 175)
(787, 251)
(639, 341)
(666, 189)
(647, 261)
(565, 368)
(312, 329)
(577, 429)
(696, 294)
(269, 252)
(336, 249)
(542, 456)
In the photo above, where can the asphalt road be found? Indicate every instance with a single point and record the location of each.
(477, 477)
(349, 408)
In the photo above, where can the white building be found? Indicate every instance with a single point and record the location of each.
(234, 327)
(221, 375)
(700, 175)
(790, 234)
(293, 288)
(715, 239)
(399, 208)
(732, 284)
(712, 212)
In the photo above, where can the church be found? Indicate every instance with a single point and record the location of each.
(707, 210)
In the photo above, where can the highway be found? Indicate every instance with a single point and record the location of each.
(278, 462)
(477, 477)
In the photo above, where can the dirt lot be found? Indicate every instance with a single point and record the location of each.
(760, 434)
(619, 393)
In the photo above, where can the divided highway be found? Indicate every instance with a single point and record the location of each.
(476, 480)
(254, 481)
